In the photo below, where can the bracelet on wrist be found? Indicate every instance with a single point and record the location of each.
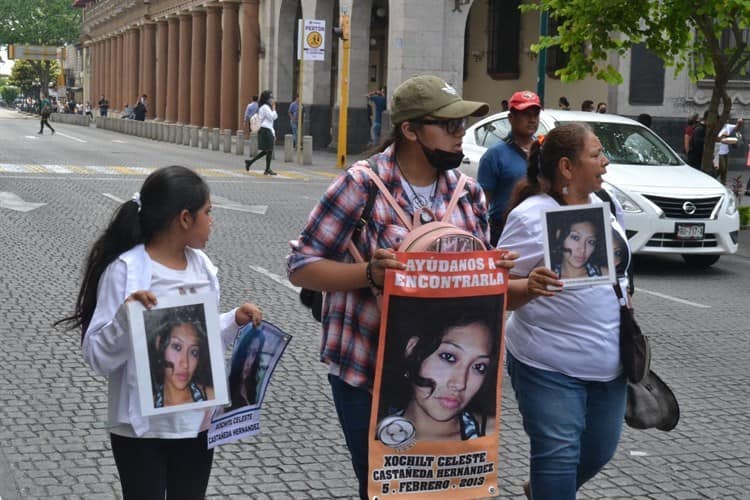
(371, 281)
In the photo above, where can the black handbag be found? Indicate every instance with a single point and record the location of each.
(651, 405)
(635, 349)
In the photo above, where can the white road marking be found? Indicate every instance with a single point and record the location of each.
(57, 169)
(113, 198)
(118, 141)
(31, 137)
(675, 299)
(275, 277)
(14, 202)
(71, 137)
(227, 204)
(634, 453)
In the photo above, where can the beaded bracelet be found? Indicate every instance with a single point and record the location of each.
(371, 281)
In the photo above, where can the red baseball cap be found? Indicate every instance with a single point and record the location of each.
(524, 99)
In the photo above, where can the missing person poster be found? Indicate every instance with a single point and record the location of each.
(256, 352)
(179, 358)
(578, 244)
(436, 398)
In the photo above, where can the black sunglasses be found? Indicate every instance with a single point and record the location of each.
(451, 126)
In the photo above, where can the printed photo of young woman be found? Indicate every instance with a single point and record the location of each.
(577, 245)
(439, 369)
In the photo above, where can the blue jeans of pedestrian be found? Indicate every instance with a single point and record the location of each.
(293, 123)
(353, 408)
(574, 426)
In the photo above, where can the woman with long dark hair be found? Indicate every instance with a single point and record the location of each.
(563, 352)
(245, 370)
(440, 366)
(266, 134)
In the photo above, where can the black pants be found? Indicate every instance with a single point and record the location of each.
(496, 229)
(45, 121)
(150, 466)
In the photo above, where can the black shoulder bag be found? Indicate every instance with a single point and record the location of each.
(635, 350)
(313, 299)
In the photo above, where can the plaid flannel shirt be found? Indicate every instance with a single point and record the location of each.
(351, 319)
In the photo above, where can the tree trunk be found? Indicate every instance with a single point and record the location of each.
(715, 121)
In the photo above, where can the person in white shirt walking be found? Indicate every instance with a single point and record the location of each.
(266, 134)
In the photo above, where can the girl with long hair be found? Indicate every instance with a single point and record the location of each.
(266, 134)
(151, 248)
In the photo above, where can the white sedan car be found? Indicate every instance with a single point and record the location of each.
(669, 206)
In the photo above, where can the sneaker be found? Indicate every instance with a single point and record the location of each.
(53, 132)
(248, 164)
(40, 133)
(269, 172)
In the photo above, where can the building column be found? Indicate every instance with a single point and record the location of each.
(118, 73)
(213, 66)
(135, 65)
(172, 68)
(111, 72)
(229, 65)
(198, 67)
(162, 43)
(249, 41)
(183, 84)
(148, 65)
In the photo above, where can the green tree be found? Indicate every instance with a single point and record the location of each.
(39, 22)
(683, 33)
(29, 74)
(9, 93)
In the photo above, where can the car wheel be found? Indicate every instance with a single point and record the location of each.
(700, 261)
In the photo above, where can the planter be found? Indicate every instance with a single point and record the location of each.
(744, 216)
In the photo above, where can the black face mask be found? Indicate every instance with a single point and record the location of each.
(440, 159)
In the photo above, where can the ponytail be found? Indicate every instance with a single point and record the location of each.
(164, 194)
(545, 155)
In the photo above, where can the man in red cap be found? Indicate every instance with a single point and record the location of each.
(504, 164)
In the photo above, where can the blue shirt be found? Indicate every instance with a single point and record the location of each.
(250, 110)
(379, 103)
(500, 168)
(293, 107)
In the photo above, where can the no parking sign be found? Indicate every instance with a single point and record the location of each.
(312, 40)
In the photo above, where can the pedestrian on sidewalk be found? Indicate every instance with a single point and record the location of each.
(45, 110)
(377, 101)
(294, 108)
(87, 111)
(152, 249)
(728, 135)
(418, 163)
(103, 106)
(139, 112)
(250, 111)
(266, 134)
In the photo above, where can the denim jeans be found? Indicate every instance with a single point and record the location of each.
(353, 408)
(574, 426)
(293, 124)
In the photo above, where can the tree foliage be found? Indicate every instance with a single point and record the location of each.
(9, 93)
(39, 22)
(29, 74)
(683, 33)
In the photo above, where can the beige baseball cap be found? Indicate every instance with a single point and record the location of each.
(428, 95)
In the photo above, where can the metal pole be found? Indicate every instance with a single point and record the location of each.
(542, 62)
(344, 95)
(299, 107)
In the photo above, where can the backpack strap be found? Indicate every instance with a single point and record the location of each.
(457, 193)
(365, 215)
(388, 196)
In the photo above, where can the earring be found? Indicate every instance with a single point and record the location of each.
(565, 190)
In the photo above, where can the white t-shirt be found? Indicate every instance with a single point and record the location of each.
(726, 131)
(167, 281)
(267, 117)
(576, 332)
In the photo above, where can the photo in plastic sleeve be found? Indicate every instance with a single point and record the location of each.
(440, 369)
(178, 354)
(578, 244)
(256, 353)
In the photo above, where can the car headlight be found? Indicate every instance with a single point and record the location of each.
(628, 205)
(731, 203)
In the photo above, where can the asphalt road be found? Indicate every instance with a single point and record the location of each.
(53, 408)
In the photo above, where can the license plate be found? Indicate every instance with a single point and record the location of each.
(689, 231)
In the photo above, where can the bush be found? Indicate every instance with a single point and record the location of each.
(9, 93)
(744, 216)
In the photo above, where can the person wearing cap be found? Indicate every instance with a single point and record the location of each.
(417, 165)
(503, 164)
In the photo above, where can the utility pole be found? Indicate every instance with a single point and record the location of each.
(542, 61)
(343, 32)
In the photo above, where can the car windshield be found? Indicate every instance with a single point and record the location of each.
(633, 145)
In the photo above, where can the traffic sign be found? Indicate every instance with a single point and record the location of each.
(312, 40)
